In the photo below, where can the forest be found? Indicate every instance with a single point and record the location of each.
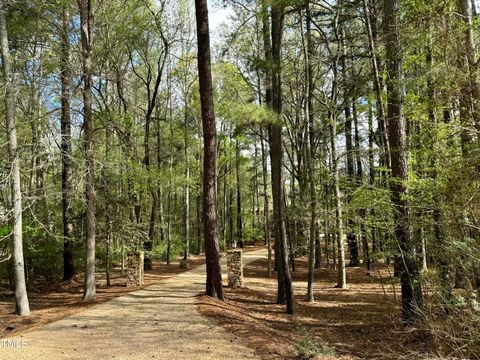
(338, 139)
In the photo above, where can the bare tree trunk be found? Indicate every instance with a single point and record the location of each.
(359, 182)
(411, 289)
(285, 289)
(199, 224)
(255, 193)
(371, 167)
(212, 253)
(239, 196)
(342, 274)
(332, 123)
(186, 191)
(351, 236)
(85, 8)
(266, 206)
(66, 147)
(22, 306)
(310, 154)
(380, 107)
(268, 101)
(169, 207)
(231, 240)
(225, 207)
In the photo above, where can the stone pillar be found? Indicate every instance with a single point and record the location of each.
(235, 268)
(135, 263)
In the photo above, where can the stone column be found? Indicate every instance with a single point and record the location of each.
(235, 268)
(135, 269)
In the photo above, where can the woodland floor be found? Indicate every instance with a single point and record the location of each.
(54, 299)
(359, 323)
(158, 321)
(164, 317)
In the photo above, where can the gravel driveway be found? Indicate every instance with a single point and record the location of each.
(157, 322)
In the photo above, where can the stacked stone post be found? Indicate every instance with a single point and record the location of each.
(135, 270)
(235, 268)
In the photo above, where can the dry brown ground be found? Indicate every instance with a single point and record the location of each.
(360, 323)
(54, 300)
(50, 301)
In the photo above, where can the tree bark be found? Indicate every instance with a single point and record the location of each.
(186, 190)
(266, 206)
(310, 154)
(239, 196)
(411, 289)
(212, 253)
(85, 8)
(22, 306)
(351, 236)
(66, 151)
(342, 274)
(285, 289)
(377, 81)
(268, 102)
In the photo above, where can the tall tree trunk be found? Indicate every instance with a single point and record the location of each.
(198, 202)
(85, 7)
(370, 26)
(266, 35)
(169, 201)
(411, 288)
(291, 222)
(342, 274)
(231, 239)
(22, 306)
(239, 196)
(66, 147)
(285, 289)
(359, 182)
(266, 206)
(212, 252)
(186, 191)
(351, 236)
(255, 193)
(159, 191)
(440, 245)
(224, 207)
(310, 154)
(108, 207)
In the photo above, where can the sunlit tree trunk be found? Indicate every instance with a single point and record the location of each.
(66, 151)
(342, 274)
(22, 306)
(410, 283)
(212, 253)
(239, 196)
(310, 154)
(85, 7)
(285, 289)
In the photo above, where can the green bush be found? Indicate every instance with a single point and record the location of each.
(308, 347)
(159, 251)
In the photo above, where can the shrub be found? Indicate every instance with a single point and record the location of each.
(308, 347)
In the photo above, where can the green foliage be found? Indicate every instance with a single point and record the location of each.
(5, 230)
(160, 250)
(308, 347)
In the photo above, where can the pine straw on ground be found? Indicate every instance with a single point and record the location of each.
(362, 322)
(52, 300)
